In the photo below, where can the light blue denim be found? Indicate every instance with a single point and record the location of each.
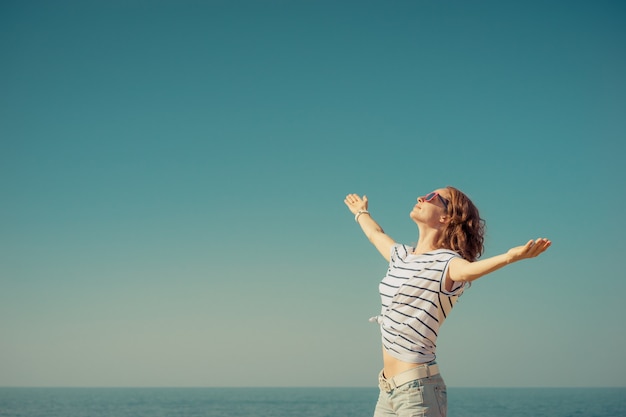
(425, 397)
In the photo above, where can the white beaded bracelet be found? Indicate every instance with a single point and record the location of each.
(358, 213)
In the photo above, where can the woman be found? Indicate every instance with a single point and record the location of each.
(420, 288)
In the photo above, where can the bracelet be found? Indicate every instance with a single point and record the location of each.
(358, 213)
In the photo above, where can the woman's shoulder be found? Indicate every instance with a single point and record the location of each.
(406, 253)
(446, 253)
(433, 255)
(400, 251)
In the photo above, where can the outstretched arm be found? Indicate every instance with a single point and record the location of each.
(373, 231)
(463, 270)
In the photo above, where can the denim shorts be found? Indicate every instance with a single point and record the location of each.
(425, 397)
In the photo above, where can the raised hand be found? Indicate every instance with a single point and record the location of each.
(355, 203)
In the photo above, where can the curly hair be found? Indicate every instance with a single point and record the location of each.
(465, 231)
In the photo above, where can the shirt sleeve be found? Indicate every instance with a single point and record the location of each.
(395, 251)
(457, 287)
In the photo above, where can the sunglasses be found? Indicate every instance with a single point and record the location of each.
(431, 197)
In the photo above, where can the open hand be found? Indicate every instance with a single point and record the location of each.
(356, 203)
(529, 250)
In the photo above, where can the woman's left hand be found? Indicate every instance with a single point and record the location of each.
(530, 250)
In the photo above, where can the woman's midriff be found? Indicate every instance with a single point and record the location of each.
(393, 366)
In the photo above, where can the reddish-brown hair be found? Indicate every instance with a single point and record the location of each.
(465, 232)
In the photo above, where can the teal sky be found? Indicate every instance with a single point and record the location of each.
(173, 174)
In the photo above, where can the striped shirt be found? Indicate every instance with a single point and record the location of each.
(415, 302)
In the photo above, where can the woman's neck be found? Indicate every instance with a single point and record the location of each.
(427, 240)
(419, 249)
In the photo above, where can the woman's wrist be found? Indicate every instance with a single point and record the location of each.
(358, 214)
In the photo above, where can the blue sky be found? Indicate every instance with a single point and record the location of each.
(173, 176)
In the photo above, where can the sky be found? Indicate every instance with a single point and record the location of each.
(173, 175)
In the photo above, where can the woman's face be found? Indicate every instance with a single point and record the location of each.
(431, 208)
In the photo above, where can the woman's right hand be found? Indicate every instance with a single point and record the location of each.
(372, 230)
(356, 203)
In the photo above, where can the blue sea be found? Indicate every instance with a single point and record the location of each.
(299, 402)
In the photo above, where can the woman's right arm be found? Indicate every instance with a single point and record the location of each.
(373, 231)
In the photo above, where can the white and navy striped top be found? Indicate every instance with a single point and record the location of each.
(415, 302)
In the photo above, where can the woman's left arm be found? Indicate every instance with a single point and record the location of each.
(466, 271)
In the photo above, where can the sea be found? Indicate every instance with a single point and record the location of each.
(300, 402)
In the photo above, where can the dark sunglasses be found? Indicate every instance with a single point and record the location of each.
(431, 197)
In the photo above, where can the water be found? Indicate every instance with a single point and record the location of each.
(299, 402)
(537, 402)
